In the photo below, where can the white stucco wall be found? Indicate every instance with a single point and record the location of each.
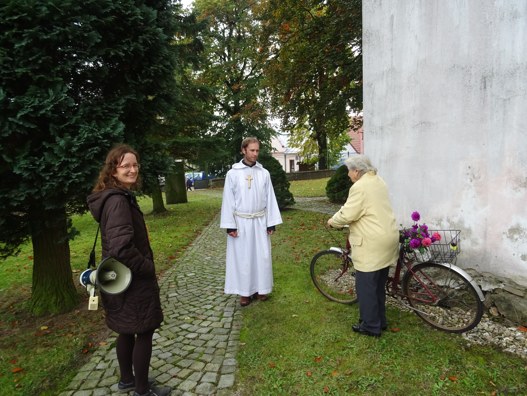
(445, 120)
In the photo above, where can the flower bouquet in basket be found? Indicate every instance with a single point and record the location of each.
(416, 240)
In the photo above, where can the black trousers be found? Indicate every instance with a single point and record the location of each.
(372, 299)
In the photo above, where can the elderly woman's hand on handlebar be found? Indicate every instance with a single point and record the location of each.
(331, 225)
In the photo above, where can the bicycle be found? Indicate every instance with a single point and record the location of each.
(440, 293)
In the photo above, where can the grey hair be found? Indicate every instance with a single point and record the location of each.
(361, 163)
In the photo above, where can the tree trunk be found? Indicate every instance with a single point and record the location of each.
(175, 185)
(53, 290)
(322, 142)
(157, 199)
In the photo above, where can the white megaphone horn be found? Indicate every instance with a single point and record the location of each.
(111, 276)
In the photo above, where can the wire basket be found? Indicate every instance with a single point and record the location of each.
(443, 251)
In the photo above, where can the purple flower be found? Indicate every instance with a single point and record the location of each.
(415, 243)
(416, 216)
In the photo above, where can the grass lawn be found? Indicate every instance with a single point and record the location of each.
(297, 343)
(309, 188)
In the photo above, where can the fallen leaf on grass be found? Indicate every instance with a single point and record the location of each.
(43, 327)
(452, 378)
(334, 373)
(395, 329)
(17, 370)
(318, 359)
(326, 389)
(309, 373)
(272, 364)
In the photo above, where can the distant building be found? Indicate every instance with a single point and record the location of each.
(357, 140)
(286, 156)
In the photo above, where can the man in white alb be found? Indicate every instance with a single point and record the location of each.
(249, 212)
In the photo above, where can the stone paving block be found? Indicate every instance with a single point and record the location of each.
(109, 381)
(195, 376)
(156, 363)
(211, 377)
(183, 373)
(214, 367)
(185, 363)
(205, 389)
(83, 393)
(206, 357)
(165, 367)
(197, 366)
(163, 378)
(226, 381)
(228, 369)
(187, 385)
(101, 392)
(82, 375)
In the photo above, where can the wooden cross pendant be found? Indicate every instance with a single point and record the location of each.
(249, 178)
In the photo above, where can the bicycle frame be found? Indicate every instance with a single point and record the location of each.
(395, 281)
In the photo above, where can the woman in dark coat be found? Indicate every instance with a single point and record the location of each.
(135, 313)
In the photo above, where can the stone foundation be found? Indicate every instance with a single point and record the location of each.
(503, 297)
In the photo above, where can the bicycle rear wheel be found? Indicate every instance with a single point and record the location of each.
(334, 276)
(442, 297)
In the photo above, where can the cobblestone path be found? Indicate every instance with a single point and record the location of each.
(195, 348)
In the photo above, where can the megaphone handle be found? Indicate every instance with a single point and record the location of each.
(93, 301)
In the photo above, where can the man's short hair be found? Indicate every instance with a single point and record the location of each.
(249, 140)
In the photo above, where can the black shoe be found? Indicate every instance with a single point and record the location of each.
(123, 387)
(156, 391)
(357, 329)
(383, 328)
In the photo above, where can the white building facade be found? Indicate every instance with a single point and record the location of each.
(287, 156)
(445, 104)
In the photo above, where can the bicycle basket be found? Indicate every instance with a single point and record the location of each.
(447, 249)
(443, 251)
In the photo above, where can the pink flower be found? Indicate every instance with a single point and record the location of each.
(426, 242)
(436, 236)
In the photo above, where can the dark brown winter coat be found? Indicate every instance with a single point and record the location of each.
(124, 237)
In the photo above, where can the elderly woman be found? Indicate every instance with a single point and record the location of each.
(374, 239)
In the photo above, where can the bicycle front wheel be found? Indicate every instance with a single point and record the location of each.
(334, 276)
(442, 297)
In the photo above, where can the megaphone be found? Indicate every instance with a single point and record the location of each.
(111, 276)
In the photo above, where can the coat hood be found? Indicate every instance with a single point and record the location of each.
(97, 199)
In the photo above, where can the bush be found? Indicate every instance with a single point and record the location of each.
(279, 179)
(338, 186)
